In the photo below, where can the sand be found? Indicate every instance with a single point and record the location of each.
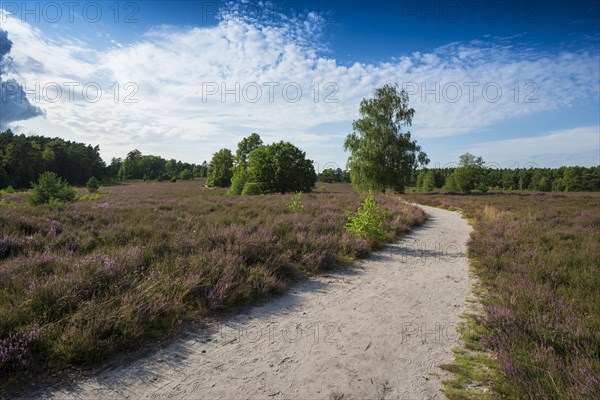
(377, 330)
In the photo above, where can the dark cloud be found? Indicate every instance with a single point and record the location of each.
(5, 46)
(14, 105)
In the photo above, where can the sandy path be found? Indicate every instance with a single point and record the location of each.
(375, 331)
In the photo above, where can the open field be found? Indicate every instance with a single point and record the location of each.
(104, 275)
(538, 258)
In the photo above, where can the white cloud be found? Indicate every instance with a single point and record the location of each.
(169, 66)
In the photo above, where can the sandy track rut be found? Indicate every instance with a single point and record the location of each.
(375, 331)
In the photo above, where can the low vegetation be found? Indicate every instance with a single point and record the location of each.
(537, 258)
(104, 275)
(366, 221)
(93, 185)
(51, 189)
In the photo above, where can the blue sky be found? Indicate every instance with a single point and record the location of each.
(516, 82)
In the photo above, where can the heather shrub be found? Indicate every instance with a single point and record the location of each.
(16, 349)
(9, 246)
(50, 186)
(536, 256)
(98, 283)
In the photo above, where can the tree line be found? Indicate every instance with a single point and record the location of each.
(337, 175)
(472, 174)
(24, 158)
(148, 167)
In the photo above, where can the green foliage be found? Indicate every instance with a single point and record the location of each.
(251, 189)
(9, 189)
(238, 181)
(24, 158)
(186, 175)
(481, 187)
(93, 185)
(450, 184)
(87, 197)
(148, 167)
(536, 179)
(220, 169)
(295, 205)
(280, 168)
(173, 179)
(366, 221)
(56, 204)
(469, 175)
(330, 175)
(382, 154)
(429, 182)
(203, 170)
(51, 186)
(245, 147)
(240, 173)
(4, 203)
(426, 181)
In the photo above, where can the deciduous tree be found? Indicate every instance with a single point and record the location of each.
(382, 155)
(220, 169)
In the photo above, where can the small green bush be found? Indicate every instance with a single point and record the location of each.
(93, 185)
(482, 187)
(173, 179)
(86, 197)
(8, 189)
(186, 175)
(56, 203)
(295, 204)
(4, 203)
(366, 221)
(51, 186)
(251, 189)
